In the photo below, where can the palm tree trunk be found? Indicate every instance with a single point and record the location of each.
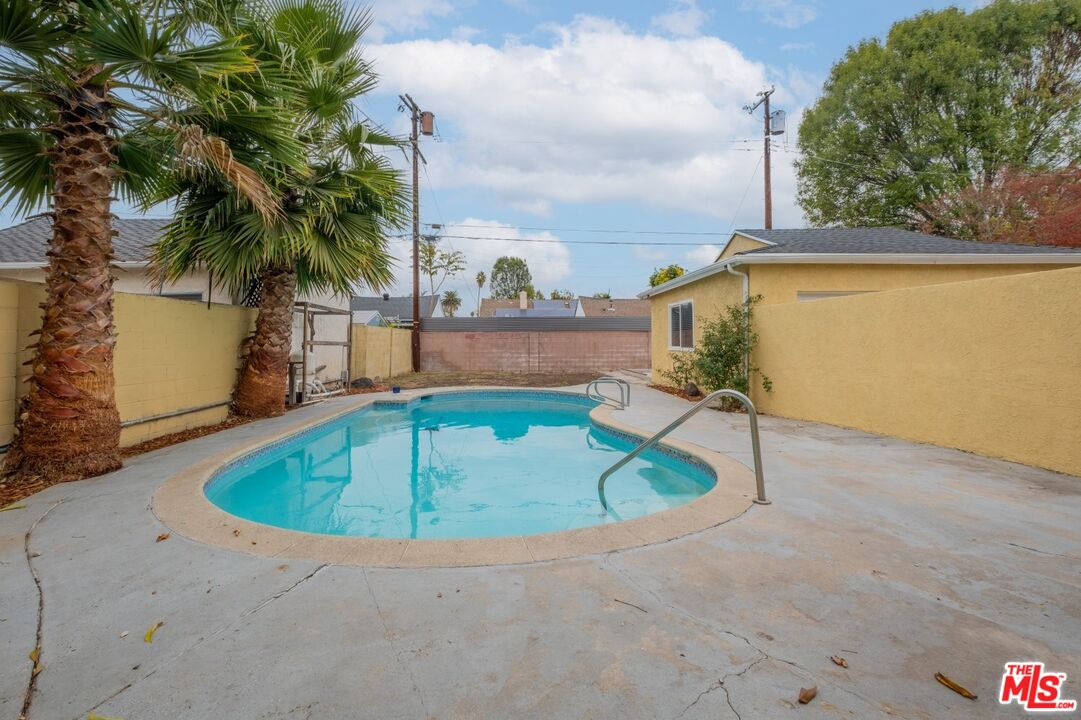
(68, 426)
(261, 389)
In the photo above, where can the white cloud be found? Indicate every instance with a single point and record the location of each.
(396, 17)
(785, 13)
(701, 256)
(601, 114)
(684, 18)
(542, 208)
(464, 32)
(651, 253)
(549, 262)
(797, 46)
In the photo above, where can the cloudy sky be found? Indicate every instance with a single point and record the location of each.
(558, 120)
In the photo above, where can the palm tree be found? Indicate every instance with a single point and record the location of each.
(451, 302)
(88, 100)
(481, 279)
(332, 230)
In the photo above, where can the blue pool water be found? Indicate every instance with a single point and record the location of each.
(469, 464)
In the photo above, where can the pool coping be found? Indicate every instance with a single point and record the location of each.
(181, 504)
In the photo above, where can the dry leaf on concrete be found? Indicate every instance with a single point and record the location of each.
(838, 660)
(806, 695)
(963, 692)
(162, 537)
(149, 637)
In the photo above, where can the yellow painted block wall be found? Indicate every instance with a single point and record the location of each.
(9, 353)
(381, 352)
(170, 355)
(992, 366)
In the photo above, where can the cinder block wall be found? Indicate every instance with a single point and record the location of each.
(170, 355)
(991, 366)
(537, 352)
(381, 352)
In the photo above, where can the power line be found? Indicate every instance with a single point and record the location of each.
(573, 242)
(735, 216)
(597, 230)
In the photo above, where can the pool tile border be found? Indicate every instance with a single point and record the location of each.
(182, 505)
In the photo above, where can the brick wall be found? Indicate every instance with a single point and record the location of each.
(552, 351)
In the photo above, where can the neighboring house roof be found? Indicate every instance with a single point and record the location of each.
(368, 317)
(828, 246)
(879, 241)
(396, 307)
(617, 307)
(492, 307)
(26, 242)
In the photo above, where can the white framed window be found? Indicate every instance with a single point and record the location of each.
(681, 325)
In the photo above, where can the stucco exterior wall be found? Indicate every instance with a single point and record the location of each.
(381, 352)
(710, 295)
(738, 244)
(991, 366)
(781, 283)
(170, 355)
(778, 284)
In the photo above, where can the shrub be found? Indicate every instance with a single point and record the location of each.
(719, 361)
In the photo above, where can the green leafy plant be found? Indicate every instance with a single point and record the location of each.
(721, 359)
(664, 274)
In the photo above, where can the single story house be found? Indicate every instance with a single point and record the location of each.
(397, 310)
(22, 257)
(799, 265)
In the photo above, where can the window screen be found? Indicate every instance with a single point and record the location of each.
(681, 326)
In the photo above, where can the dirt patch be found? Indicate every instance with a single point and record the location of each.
(415, 381)
(183, 436)
(677, 392)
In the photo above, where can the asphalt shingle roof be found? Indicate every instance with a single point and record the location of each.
(882, 241)
(395, 307)
(26, 242)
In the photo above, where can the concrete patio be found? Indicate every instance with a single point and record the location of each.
(904, 559)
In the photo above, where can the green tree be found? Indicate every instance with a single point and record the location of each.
(450, 303)
(947, 102)
(605, 295)
(663, 275)
(331, 229)
(91, 105)
(510, 275)
(438, 263)
(561, 295)
(481, 279)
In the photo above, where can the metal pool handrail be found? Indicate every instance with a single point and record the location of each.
(593, 393)
(759, 478)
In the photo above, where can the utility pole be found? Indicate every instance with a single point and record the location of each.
(767, 133)
(419, 119)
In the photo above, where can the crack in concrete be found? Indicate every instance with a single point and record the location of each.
(280, 593)
(1043, 552)
(394, 648)
(36, 668)
(626, 574)
(170, 660)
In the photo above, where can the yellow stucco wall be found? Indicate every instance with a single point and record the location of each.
(991, 366)
(738, 244)
(381, 352)
(710, 296)
(781, 284)
(9, 363)
(170, 355)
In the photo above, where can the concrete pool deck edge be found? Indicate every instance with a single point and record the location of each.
(181, 504)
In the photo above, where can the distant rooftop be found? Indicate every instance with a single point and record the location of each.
(400, 307)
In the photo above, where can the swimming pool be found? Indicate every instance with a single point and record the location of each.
(470, 464)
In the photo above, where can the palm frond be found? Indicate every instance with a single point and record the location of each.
(195, 145)
(25, 170)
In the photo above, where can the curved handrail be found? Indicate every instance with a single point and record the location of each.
(594, 393)
(752, 415)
